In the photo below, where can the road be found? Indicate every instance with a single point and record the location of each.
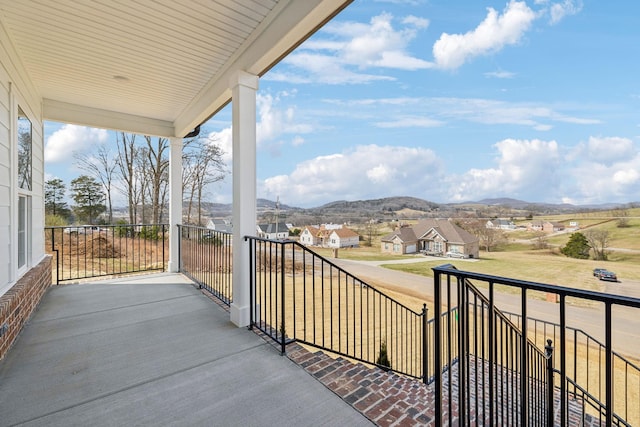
(626, 321)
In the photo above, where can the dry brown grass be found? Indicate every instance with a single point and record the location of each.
(103, 254)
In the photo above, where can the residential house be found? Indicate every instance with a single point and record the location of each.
(545, 226)
(220, 224)
(329, 235)
(274, 231)
(432, 236)
(501, 224)
(343, 238)
(310, 236)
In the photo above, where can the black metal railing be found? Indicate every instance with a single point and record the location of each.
(82, 252)
(491, 342)
(585, 365)
(206, 257)
(499, 377)
(298, 295)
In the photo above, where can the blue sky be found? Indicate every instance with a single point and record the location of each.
(448, 101)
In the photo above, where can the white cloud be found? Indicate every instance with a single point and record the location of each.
(297, 141)
(433, 112)
(224, 140)
(71, 139)
(494, 33)
(558, 11)
(500, 74)
(626, 177)
(410, 122)
(607, 168)
(352, 47)
(362, 172)
(416, 21)
(525, 168)
(607, 150)
(273, 124)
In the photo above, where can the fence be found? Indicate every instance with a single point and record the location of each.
(82, 252)
(299, 295)
(585, 361)
(482, 321)
(206, 257)
(500, 377)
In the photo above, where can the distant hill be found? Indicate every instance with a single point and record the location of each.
(401, 207)
(521, 204)
(387, 204)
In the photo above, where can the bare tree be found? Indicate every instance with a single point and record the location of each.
(540, 241)
(599, 241)
(488, 238)
(202, 165)
(622, 215)
(102, 168)
(158, 169)
(126, 168)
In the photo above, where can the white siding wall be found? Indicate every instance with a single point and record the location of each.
(16, 90)
(6, 194)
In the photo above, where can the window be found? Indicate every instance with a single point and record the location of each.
(25, 173)
(24, 151)
(24, 221)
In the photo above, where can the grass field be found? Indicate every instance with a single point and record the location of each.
(518, 260)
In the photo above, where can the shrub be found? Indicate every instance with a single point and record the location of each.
(383, 358)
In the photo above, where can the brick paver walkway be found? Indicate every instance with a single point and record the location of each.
(385, 398)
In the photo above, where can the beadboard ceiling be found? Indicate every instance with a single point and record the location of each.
(157, 65)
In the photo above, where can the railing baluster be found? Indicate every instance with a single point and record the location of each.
(524, 362)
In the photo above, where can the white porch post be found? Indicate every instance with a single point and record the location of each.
(175, 201)
(244, 87)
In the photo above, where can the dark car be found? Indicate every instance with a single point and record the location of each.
(608, 275)
(598, 271)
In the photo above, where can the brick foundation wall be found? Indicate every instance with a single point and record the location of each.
(17, 305)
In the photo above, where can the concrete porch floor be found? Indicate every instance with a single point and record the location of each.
(153, 350)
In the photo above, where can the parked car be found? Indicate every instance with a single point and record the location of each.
(598, 271)
(608, 275)
(455, 255)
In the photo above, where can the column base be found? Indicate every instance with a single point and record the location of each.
(172, 267)
(240, 316)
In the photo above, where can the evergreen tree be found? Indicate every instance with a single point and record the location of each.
(577, 247)
(89, 198)
(54, 204)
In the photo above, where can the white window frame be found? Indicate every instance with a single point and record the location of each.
(23, 225)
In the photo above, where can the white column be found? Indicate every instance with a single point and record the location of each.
(244, 87)
(175, 201)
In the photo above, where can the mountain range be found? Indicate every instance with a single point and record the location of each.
(403, 207)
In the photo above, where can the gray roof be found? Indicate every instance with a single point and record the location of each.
(406, 235)
(281, 227)
(447, 229)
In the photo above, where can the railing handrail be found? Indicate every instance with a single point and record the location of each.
(607, 355)
(88, 251)
(622, 300)
(337, 311)
(578, 330)
(210, 266)
(332, 264)
(56, 227)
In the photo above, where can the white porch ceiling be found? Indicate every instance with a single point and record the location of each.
(158, 67)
